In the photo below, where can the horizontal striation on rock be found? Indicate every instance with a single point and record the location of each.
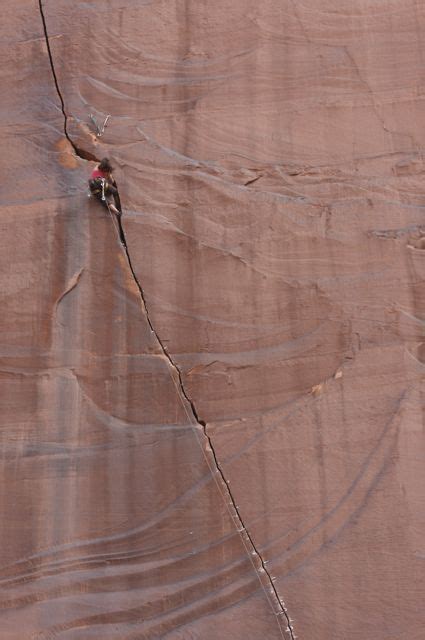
(229, 408)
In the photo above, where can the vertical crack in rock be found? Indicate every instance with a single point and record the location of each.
(85, 155)
(240, 524)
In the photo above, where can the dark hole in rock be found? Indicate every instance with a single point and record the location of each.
(85, 155)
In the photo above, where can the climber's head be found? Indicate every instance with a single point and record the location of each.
(105, 165)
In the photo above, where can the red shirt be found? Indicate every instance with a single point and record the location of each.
(97, 173)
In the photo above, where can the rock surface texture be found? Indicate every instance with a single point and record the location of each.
(216, 431)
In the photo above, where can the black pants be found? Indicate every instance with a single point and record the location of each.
(109, 190)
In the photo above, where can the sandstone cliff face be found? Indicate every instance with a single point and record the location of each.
(216, 429)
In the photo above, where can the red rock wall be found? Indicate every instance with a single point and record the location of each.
(219, 427)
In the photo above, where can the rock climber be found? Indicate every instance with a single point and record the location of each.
(103, 186)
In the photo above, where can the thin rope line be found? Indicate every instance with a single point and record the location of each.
(215, 470)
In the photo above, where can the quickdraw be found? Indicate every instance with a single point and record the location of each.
(100, 130)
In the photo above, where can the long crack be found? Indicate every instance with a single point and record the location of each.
(237, 515)
(239, 522)
(85, 155)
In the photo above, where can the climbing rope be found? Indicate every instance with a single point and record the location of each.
(113, 216)
(277, 605)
